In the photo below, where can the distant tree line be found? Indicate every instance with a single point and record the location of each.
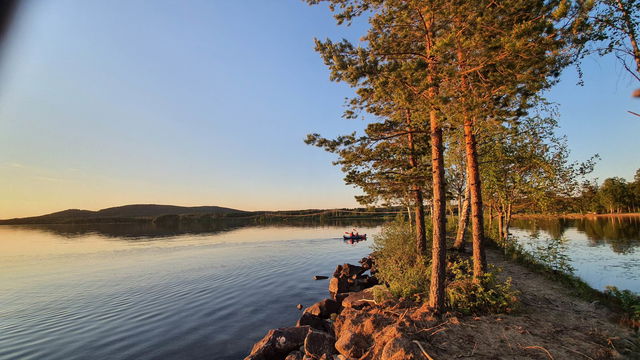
(613, 195)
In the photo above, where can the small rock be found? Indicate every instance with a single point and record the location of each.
(318, 343)
(366, 262)
(358, 299)
(299, 306)
(323, 308)
(320, 277)
(295, 355)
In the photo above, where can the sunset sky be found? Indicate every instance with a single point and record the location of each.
(106, 103)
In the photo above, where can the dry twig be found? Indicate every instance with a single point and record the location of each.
(424, 352)
(540, 348)
(577, 352)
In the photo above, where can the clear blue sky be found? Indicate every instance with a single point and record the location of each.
(106, 103)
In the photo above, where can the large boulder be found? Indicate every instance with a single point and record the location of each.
(338, 286)
(348, 271)
(352, 345)
(278, 343)
(318, 344)
(314, 322)
(323, 308)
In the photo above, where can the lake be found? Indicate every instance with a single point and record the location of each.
(603, 251)
(136, 292)
(142, 292)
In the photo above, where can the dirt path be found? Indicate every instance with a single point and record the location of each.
(553, 324)
(549, 324)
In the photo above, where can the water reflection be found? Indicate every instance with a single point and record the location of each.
(84, 292)
(622, 234)
(602, 250)
(135, 231)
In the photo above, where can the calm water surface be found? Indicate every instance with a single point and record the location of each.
(67, 294)
(603, 251)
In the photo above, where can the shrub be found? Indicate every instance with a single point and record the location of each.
(405, 272)
(629, 302)
(488, 295)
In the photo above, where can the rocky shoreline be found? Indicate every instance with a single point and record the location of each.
(549, 323)
(314, 336)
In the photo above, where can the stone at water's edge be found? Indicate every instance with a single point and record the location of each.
(278, 343)
(338, 285)
(348, 271)
(323, 308)
(313, 337)
(315, 322)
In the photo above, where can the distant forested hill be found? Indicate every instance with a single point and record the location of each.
(120, 213)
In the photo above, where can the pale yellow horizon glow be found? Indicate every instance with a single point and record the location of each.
(33, 191)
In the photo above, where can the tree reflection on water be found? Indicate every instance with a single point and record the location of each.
(622, 234)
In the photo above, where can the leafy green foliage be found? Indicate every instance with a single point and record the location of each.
(486, 295)
(629, 302)
(407, 275)
(399, 265)
(553, 254)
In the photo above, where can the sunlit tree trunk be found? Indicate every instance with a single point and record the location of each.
(473, 180)
(421, 237)
(500, 225)
(438, 262)
(477, 222)
(462, 221)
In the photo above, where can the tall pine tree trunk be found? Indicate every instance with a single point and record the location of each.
(500, 226)
(438, 262)
(473, 179)
(438, 217)
(477, 221)
(421, 236)
(462, 221)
